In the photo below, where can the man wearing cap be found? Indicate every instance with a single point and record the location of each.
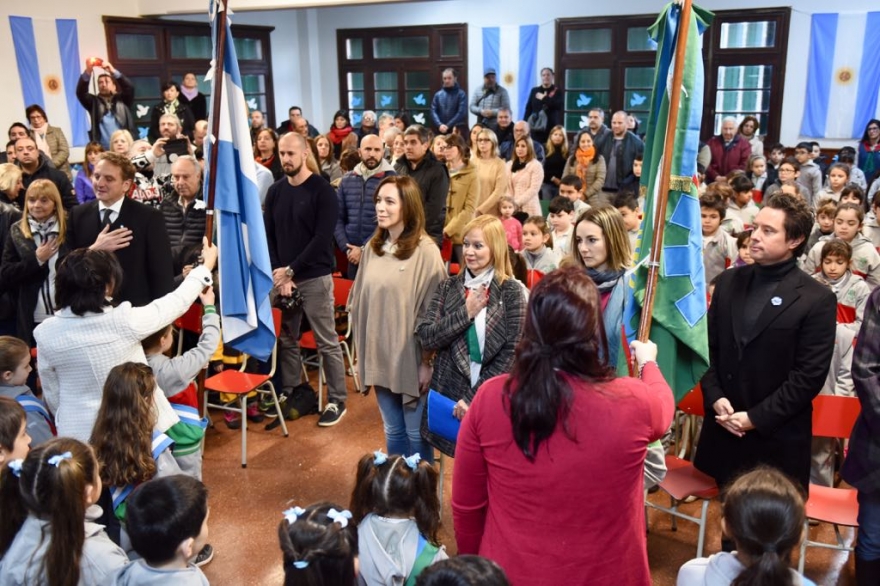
(488, 100)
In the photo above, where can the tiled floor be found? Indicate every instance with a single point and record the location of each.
(315, 464)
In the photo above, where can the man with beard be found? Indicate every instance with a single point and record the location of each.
(160, 161)
(357, 209)
(300, 215)
(111, 108)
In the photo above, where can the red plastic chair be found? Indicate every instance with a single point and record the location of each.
(683, 481)
(533, 277)
(190, 321)
(241, 383)
(341, 291)
(832, 417)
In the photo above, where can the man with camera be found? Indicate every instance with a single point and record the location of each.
(172, 143)
(300, 215)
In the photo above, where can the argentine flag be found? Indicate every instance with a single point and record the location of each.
(245, 270)
(512, 51)
(843, 79)
(48, 77)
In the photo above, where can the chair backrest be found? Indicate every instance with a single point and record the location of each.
(446, 249)
(533, 277)
(341, 291)
(692, 403)
(191, 320)
(276, 319)
(835, 416)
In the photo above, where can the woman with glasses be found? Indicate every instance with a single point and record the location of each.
(50, 139)
(491, 172)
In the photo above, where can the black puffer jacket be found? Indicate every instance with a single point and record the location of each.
(184, 226)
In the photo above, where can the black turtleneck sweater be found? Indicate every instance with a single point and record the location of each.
(765, 280)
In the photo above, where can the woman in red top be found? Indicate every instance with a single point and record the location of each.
(560, 446)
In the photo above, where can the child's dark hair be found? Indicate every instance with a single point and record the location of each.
(518, 264)
(853, 189)
(152, 341)
(837, 247)
(463, 570)
(860, 213)
(625, 198)
(12, 352)
(763, 513)
(164, 512)
(713, 200)
(572, 181)
(390, 486)
(12, 417)
(826, 207)
(742, 238)
(123, 432)
(791, 161)
(875, 201)
(846, 154)
(741, 184)
(318, 550)
(541, 224)
(639, 157)
(52, 486)
(560, 204)
(776, 147)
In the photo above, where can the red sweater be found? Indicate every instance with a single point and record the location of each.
(576, 515)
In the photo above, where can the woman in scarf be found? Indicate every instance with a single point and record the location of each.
(32, 250)
(589, 165)
(601, 246)
(171, 104)
(474, 321)
(50, 139)
(869, 150)
(193, 98)
(341, 128)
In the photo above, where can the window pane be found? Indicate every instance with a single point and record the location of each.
(574, 122)
(748, 35)
(418, 80)
(594, 40)
(731, 101)
(355, 100)
(191, 47)
(637, 39)
(146, 87)
(130, 46)
(420, 117)
(449, 46)
(248, 49)
(386, 100)
(254, 84)
(355, 81)
(385, 80)
(586, 100)
(355, 116)
(639, 100)
(400, 47)
(745, 77)
(417, 99)
(256, 102)
(587, 79)
(354, 48)
(639, 78)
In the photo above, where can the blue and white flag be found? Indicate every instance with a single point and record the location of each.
(843, 79)
(49, 76)
(245, 270)
(512, 51)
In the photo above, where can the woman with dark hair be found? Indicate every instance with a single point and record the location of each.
(869, 149)
(524, 178)
(474, 321)
(32, 251)
(401, 120)
(50, 139)
(399, 272)
(266, 152)
(88, 336)
(326, 160)
(587, 163)
(552, 455)
(83, 188)
(171, 104)
(339, 130)
(748, 130)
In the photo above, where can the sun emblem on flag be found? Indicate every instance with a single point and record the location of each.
(845, 75)
(52, 83)
(508, 78)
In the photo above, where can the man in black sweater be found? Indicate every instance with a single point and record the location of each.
(300, 215)
(431, 175)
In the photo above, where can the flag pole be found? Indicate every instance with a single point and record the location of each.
(665, 172)
(216, 99)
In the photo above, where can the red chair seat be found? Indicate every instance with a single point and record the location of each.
(683, 480)
(833, 505)
(235, 382)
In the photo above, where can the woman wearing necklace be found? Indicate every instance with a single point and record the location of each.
(171, 104)
(32, 250)
(400, 269)
(266, 152)
(601, 246)
(474, 321)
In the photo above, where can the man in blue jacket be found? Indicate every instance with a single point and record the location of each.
(449, 107)
(357, 208)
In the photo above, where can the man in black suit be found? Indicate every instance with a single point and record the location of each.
(135, 232)
(771, 336)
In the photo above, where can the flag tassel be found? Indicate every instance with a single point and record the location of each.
(659, 220)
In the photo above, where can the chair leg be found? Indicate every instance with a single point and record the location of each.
(440, 480)
(803, 558)
(673, 506)
(320, 381)
(244, 422)
(278, 409)
(701, 538)
(354, 374)
(205, 413)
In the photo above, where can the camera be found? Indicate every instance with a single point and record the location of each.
(287, 303)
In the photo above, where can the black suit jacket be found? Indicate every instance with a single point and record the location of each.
(774, 376)
(146, 262)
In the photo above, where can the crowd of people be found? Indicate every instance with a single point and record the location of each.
(489, 266)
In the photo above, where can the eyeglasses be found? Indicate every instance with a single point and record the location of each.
(482, 140)
(40, 117)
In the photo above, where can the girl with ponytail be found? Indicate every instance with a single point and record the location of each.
(57, 544)
(763, 513)
(319, 546)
